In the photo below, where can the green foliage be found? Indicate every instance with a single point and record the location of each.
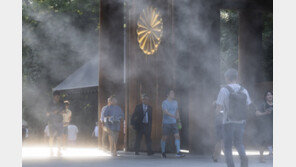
(49, 58)
(229, 26)
(229, 22)
(84, 17)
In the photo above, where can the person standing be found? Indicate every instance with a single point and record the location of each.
(142, 122)
(169, 123)
(233, 101)
(67, 114)
(72, 134)
(113, 116)
(55, 122)
(265, 125)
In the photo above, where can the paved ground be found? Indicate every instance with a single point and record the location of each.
(130, 160)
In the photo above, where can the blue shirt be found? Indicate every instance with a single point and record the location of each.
(145, 119)
(171, 107)
(115, 113)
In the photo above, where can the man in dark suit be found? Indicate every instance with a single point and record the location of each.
(142, 121)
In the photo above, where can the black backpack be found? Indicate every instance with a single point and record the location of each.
(238, 108)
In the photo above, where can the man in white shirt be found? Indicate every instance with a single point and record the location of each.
(142, 123)
(233, 126)
(72, 134)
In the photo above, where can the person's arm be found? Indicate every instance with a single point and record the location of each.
(219, 108)
(169, 114)
(265, 111)
(165, 111)
(258, 113)
(70, 116)
(220, 100)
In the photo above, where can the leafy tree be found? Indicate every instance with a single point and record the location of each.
(58, 37)
(229, 22)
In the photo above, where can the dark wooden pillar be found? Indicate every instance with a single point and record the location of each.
(250, 47)
(111, 55)
(144, 73)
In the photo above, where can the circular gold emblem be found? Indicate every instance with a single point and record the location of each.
(149, 30)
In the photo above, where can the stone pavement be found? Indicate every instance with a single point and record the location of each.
(127, 159)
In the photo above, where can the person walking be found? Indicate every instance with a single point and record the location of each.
(233, 101)
(169, 123)
(55, 122)
(142, 122)
(113, 116)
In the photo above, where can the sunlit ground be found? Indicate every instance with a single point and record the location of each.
(43, 152)
(234, 152)
(248, 152)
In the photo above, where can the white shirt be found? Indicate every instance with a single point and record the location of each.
(72, 132)
(145, 119)
(67, 116)
(46, 131)
(223, 100)
(96, 131)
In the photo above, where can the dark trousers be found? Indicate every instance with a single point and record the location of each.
(146, 131)
(233, 135)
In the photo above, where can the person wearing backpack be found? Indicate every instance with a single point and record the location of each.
(233, 101)
(142, 123)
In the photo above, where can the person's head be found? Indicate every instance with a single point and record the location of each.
(231, 76)
(113, 100)
(67, 104)
(109, 101)
(268, 96)
(145, 99)
(56, 96)
(171, 94)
